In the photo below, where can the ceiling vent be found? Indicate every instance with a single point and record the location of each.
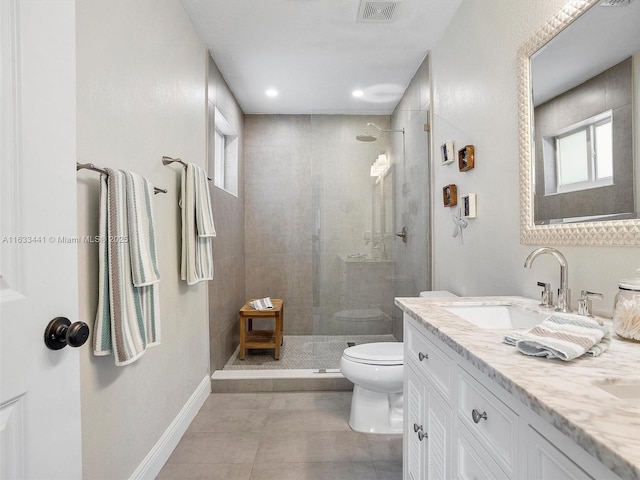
(378, 12)
(615, 3)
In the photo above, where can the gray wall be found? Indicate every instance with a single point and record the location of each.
(610, 90)
(227, 289)
(278, 214)
(474, 71)
(141, 94)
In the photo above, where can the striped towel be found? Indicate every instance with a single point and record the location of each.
(197, 226)
(142, 243)
(562, 336)
(128, 319)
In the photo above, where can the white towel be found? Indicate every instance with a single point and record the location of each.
(128, 319)
(262, 304)
(197, 226)
(562, 336)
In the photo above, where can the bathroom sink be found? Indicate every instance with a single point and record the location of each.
(620, 388)
(497, 317)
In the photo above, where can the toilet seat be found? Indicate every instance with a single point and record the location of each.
(379, 353)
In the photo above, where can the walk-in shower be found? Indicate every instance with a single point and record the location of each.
(329, 245)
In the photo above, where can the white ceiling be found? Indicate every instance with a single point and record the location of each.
(598, 40)
(315, 53)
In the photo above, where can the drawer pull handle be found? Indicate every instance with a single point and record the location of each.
(477, 416)
(421, 435)
(416, 427)
(422, 356)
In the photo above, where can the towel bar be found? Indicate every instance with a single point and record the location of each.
(168, 160)
(91, 166)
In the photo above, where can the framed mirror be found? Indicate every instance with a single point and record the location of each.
(579, 101)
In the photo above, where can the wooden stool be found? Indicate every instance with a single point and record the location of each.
(250, 338)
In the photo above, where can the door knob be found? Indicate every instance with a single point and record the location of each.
(60, 332)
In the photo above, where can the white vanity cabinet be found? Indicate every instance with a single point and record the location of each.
(427, 411)
(489, 428)
(461, 424)
(545, 460)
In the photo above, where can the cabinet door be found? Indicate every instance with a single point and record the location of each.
(439, 436)
(414, 444)
(546, 461)
(472, 463)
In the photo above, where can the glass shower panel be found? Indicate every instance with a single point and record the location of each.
(353, 244)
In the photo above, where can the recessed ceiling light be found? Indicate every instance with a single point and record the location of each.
(357, 93)
(272, 92)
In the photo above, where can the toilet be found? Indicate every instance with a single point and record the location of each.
(376, 371)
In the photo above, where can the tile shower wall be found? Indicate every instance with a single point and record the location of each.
(291, 162)
(227, 289)
(278, 214)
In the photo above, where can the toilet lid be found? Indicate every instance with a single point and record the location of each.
(380, 353)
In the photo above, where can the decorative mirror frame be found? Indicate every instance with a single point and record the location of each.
(610, 233)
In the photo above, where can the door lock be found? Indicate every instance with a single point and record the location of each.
(60, 332)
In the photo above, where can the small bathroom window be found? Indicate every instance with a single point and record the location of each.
(223, 152)
(584, 154)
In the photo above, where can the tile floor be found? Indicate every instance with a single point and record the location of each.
(303, 351)
(283, 436)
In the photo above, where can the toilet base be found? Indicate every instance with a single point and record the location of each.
(375, 412)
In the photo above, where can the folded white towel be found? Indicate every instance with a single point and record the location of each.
(262, 303)
(197, 226)
(128, 319)
(562, 336)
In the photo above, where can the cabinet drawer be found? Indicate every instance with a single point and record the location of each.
(429, 359)
(493, 423)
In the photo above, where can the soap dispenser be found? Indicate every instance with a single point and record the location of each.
(626, 311)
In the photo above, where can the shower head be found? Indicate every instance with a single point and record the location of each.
(366, 138)
(370, 138)
(385, 129)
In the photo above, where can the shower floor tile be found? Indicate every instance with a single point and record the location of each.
(303, 352)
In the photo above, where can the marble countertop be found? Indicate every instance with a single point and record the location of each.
(563, 393)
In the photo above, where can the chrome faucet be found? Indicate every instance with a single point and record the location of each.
(564, 294)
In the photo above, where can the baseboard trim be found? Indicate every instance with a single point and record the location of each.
(150, 467)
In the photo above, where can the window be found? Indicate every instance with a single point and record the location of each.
(223, 152)
(584, 154)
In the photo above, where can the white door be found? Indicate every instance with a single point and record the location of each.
(39, 387)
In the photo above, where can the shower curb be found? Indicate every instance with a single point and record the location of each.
(254, 381)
